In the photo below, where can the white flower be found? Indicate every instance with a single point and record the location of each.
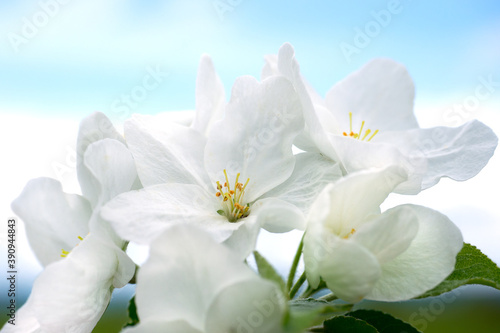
(83, 256)
(191, 284)
(367, 121)
(243, 175)
(361, 253)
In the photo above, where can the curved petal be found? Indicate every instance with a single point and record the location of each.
(348, 269)
(141, 215)
(210, 97)
(112, 168)
(256, 134)
(355, 155)
(349, 201)
(185, 272)
(53, 219)
(455, 152)
(389, 234)
(71, 295)
(242, 241)
(253, 305)
(276, 215)
(94, 128)
(428, 261)
(312, 172)
(160, 325)
(166, 152)
(289, 68)
(381, 93)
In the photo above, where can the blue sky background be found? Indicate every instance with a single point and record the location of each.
(87, 54)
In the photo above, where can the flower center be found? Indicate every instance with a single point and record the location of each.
(65, 253)
(359, 135)
(232, 203)
(349, 234)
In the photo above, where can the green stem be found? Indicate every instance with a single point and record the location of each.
(330, 297)
(308, 292)
(295, 263)
(297, 285)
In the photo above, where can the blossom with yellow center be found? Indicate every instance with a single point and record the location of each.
(233, 206)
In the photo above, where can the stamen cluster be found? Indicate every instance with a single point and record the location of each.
(358, 135)
(232, 200)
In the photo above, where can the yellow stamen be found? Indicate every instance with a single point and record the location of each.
(80, 238)
(366, 134)
(371, 137)
(350, 122)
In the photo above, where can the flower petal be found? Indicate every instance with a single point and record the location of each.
(311, 174)
(455, 152)
(94, 128)
(355, 155)
(348, 268)
(242, 241)
(276, 215)
(210, 97)
(381, 93)
(428, 261)
(53, 219)
(344, 205)
(253, 305)
(196, 268)
(166, 152)
(142, 215)
(314, 131)
(389, 234)
(112, 168)
(256, 134)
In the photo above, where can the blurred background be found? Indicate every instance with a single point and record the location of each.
(61, 60)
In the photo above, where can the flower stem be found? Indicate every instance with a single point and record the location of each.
(297, 285)
(329, 297)
(295, 263)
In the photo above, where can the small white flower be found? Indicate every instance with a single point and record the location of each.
(361, 253)
(191, 284)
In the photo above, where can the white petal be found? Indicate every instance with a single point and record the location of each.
(289, 67)
(355, 155)
(311, 174)
(141, 215)
(255, 137)
(389, 234)
(185, 271)
(254, 305)
(381, 93)
(270, 67)
(166, 152)
(459, 153)
(53, 219)
(94, 128)
(242, 241)
(71, 295)
(210, 97)
(276, 215)
(344, 205)
(159, 325)
(349, 269)
(112, 168)
(428, 261)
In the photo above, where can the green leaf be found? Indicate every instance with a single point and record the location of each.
(383, 322)
(342, 324)
(133, 318)
(472, 267)
(267, 271)
(305, 313)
